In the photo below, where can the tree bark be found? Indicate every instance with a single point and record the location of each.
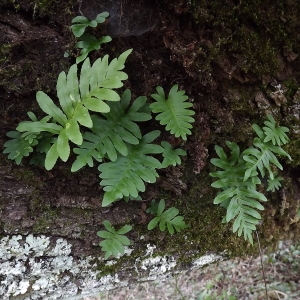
(237, 62)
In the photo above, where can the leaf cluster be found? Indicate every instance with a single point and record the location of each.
(77, 97)
(88, 42)
(114, 240)
(103, 126)
(240, 174)
(166, 219)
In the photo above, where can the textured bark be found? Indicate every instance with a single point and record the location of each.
(237, 62)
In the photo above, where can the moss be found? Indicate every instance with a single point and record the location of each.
(253, 33)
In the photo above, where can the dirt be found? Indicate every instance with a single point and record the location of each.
(176, 44)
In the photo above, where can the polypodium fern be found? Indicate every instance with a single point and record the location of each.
(126, 175)
(173, 111)
(275, 134)
(261, 157)
(76, 98)
(111, 133)
(239, 197)
(167, 219)
(171, 156)
(114, 240)
(239, 176)
(268, 142)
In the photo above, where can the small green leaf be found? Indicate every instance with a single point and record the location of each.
(51, 157)
(114, 241)
(166, 219)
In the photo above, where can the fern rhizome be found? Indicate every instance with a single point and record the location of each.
(240, 173)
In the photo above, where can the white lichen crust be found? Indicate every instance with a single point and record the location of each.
(40, 268)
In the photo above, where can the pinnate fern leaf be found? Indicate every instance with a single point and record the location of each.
(239, 196)
(274, 184)
(171, 156)
(127, 175)
(114, 240)
(18, 147)
(261, 158)
(275, 134)
(167, 219)
(111, 133)
(173, 111)
(77, 98)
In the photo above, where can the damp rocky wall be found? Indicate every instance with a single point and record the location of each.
(236, 61)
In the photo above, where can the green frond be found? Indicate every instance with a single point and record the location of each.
(112, 132)
(114, 240)
(171, 156)
(77, 98)
(275, 134)
(18, 146)
(174, 111)
(274, 184)
(168, 219)
(127, 175)
(261, 158)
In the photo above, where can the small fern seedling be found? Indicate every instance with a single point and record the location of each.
(114, 240)
(173, 111)
(88, 42)
(166, 219)
(82, 23)
(171, 156)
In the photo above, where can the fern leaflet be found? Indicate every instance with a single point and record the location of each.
(173, 111)
(126, 175)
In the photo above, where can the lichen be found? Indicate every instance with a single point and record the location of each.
(37, 267)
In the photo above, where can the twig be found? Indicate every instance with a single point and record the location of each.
(262, 266)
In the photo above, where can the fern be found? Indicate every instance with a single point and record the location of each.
(261, 157)
(239, 176)
(111, 134)
(274, 184)
(167, 219)
(76, 98)
(171, 156)
(82, 23)
(87, 43)
(275, 134)
(173, 111)
(126, 175)
(114, 240)
(239, 197)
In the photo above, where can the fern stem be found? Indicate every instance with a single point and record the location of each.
(262, 265)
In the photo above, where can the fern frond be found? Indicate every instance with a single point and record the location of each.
(239, 197)
(167, 219)
(274, 184)
(173, 111)
(76, 98)
(18, 146)
(111, 134)
(126, 175)
(261, 157)
(171, 156)
(114, 240)
(275, 134)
